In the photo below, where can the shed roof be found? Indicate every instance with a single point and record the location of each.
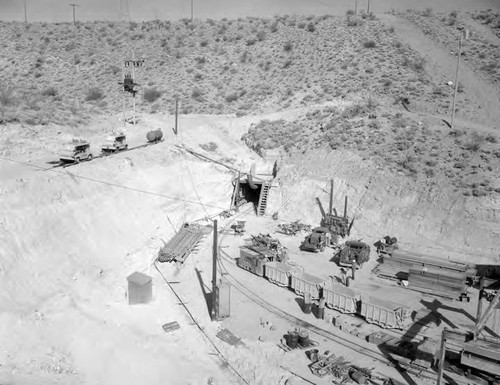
(139, 278)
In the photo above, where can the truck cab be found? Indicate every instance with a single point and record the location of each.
(115, 143)
(76, 152)
(354, 251)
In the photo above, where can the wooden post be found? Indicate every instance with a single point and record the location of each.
(456, 82)
(480, 300)
(192, 13)
(213, 310)
(307, 303)
(25, 13)
(331, 197)
(355, 7)
(353, 270)
(442, 354)
(368, 7)
(176, 115)
(345, 207)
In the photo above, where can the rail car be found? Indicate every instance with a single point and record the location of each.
(341, 298)
(388, 315)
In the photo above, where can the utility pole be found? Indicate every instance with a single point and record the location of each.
(192, 6)
(176, 115)
(74, 17)
(368, 8)
(213, 310)
(463, 37)
(355, 7)
(25, 13)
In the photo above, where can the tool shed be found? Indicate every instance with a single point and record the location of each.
(140, 288)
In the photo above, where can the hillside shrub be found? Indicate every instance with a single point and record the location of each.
(270, 134)
(94, 94)
(151, 95)
(50, 91)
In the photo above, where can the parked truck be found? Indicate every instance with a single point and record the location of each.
(77, 151)
(115, 143)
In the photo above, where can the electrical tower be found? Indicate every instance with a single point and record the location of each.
(129, 84)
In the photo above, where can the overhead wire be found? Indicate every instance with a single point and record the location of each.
(67, 173)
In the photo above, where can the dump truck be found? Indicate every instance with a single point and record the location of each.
(77, 151)
(115, 143)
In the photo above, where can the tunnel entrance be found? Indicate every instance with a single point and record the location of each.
(251, 195)
(251, 188)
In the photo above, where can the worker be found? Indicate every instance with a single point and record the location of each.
(343, 275)
(328, 238)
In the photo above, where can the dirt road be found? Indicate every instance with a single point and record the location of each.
(441, 65)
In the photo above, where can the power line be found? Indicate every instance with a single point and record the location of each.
(111, 184)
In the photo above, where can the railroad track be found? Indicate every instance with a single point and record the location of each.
(104, 155)
(333, 337)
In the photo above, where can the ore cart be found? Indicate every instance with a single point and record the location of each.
(341, 298)
(303, 283)
(388, 315)
(278, 273)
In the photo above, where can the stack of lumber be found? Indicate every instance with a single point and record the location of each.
(182, 243)
(443, 283)
(397, 265)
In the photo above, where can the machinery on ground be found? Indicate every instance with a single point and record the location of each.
(273, 247)
(338, 226)
(387, 245)
(316, 241)
(293, 228)
(79, 150)
(354, 251)
(239, 227)
(115, 143)
(479, 355)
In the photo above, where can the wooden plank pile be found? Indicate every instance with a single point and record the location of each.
(182, 243)
(445, 274)
(442, 283)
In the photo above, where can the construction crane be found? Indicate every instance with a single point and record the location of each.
(482, 354)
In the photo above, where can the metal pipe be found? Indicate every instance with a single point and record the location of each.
(213, 310)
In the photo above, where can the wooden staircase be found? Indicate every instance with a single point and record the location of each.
(264, 192)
